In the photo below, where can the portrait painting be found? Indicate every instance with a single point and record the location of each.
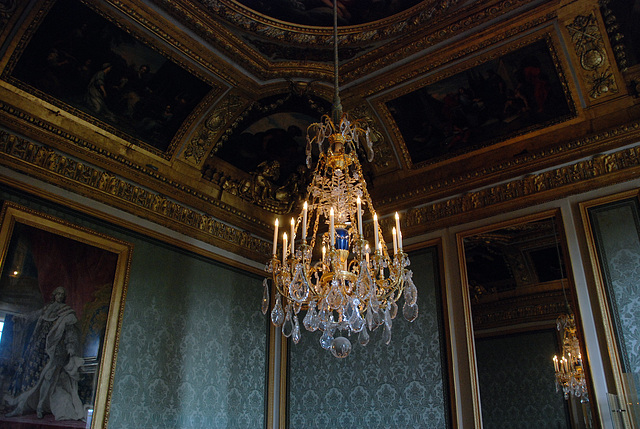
(510, 95)
(79, 60)
(61, 290)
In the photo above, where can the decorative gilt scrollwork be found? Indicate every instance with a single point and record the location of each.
(7, 8)
(73, 173)
(212, 127)
(615, 37)
(589, 45)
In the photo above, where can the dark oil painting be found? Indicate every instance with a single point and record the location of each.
(500, 98)
(81, 59)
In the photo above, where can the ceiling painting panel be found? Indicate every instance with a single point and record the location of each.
(80, 61)
(505, 95)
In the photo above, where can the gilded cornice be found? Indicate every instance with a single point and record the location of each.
(601, 170)
(404, 47)
(440, 188)
(44, 131)
(243, 17)
(54, 167)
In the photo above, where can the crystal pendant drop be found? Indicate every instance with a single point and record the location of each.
(265, 297)
(387, 318)
(341, 347)
(287, 326)
(277, 314)
(326, 339)
(369, 317)
(393, 309)
(363, 337)
(351, 308)
(295, 336)
(410, 312)
(298, 288)
(323, 314)
(410, 290)
(308, 318)
(386, 334)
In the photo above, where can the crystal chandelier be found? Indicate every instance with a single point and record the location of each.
(569, 371)
(330, 270)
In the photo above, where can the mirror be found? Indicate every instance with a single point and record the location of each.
(517, 286)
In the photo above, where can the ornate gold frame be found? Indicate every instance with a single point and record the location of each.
(621, 385)
(13, 213)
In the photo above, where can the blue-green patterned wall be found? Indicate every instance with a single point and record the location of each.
(192, 350)
(400, 385)
(517, 382)
(617, 234)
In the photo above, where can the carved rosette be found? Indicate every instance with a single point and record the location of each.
(7, 9)
(589, 46)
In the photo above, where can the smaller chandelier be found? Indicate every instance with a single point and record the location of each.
(569, 370)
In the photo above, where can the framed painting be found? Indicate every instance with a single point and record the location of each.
(62, 291)
(77, 57)
(498, 96)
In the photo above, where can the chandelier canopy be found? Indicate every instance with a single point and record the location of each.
(330, 269)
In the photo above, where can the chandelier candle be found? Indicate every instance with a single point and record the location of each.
(349, 291)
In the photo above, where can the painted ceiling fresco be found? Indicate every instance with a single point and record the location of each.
(512, 94)
(79, 59)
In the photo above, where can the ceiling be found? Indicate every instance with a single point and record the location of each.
(203, 105)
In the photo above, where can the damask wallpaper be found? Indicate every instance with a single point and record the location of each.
(400, 385)
(616, 228)
(193, 345)
(517, 382)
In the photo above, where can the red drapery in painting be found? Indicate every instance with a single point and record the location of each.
(78, 267)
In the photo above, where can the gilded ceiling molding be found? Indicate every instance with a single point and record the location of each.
(7, 9)
(615, 167)
(615, 37)
(52, 166)
(246, 19)
(29, 123)
(543, 306)
(401, 48)
(214, 126)
(589, 46)
(629, 132)
(432, 62)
